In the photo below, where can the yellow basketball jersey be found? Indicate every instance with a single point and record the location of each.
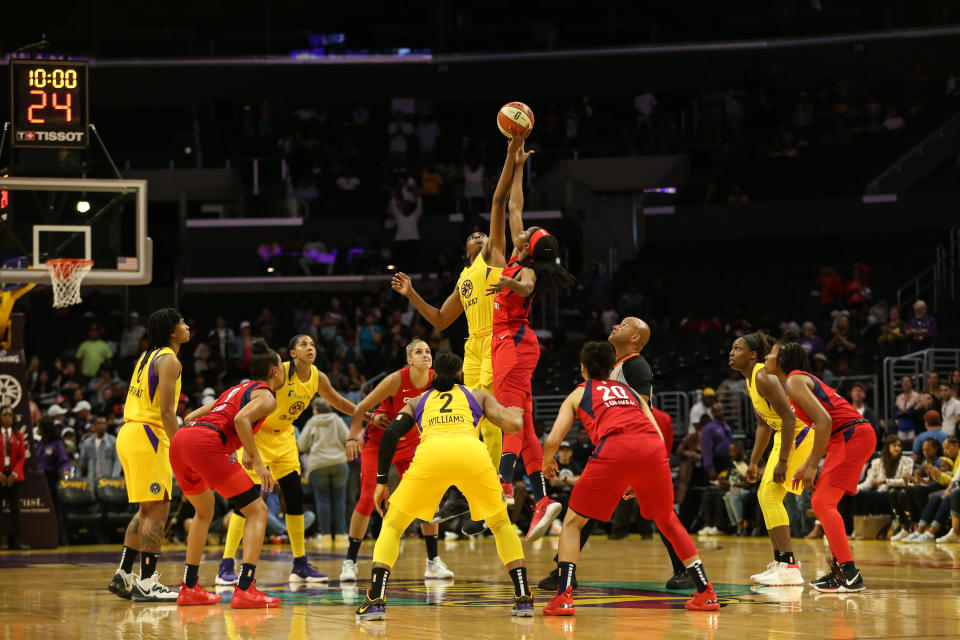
(477, 305)
(453, 412)
(143, 404)
(291, 400)
(762, 406)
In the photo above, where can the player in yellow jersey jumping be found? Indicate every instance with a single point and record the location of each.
(449, 454)
(792, 443)
(277, 444)
(143, 446)
(485, 262)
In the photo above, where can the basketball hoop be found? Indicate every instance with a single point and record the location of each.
(66, 275)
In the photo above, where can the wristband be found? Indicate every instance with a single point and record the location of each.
(382, 478)
(352, 440)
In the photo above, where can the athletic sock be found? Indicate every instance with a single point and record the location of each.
(539, 486)
(848, 569)
(234, 535)
(354, 549)
(148, 564)
(698, 575)
(295, 530)
(432, 543)
(191, 575)
(507, 462)
(247, 573)
(378, 583)
(520, 585)
(568, 573)
(127, 557)
(675, 560)
(786, 557)
(776, 555)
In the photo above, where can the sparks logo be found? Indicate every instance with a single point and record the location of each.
(466, 289)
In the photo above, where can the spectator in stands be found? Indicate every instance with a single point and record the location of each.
(51, 456)
(737, 489)
(428, 133)
(707, 399)
(932, 383)
(691, 471)
(842, 348)
(567, 475)
(130, 339)
(922, 328)
(715, 442)
(893, 335)
(45, 390)
(884, 472)
(949, 408)
(810, 341)
(931, 420)
(858, 398)
(13, 453)
(98, 454)
(399, 131)
(406, 242)
(908, 502)
(104, 381)
(936, 512)
(82, 415)
(225, 336)
(93, 352)
(324, 439)
(831, 287)
(369, 338)
(644, 105)
(582, 448)
(903, 410)
(474, 185)
(927, 402)
(431, 184)
(954, 378)
(858, 293)
(69, 379)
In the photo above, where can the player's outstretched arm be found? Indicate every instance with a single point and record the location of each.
(262, 403)
(561, 426)
(516, 192)
(440, 318)
(328, 393)
(386, 388)
(496, 245)
(509, 419)
(168, 370)
(199, 412)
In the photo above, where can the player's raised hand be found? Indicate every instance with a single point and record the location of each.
(499, 285)
(401, 283)
(381, 420)
(381, 496)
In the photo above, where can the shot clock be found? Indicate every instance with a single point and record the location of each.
(49, 103)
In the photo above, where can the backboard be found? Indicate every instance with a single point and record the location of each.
(102, 220)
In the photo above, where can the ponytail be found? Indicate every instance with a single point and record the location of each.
(545, 262)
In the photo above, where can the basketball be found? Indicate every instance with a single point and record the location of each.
(514, 118)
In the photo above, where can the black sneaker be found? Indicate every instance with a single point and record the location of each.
(552, 580)
(681, 581)
(522, 607)
(372, 609)
(473, 527)
(850, 581)
(831, 582)
(122, 584)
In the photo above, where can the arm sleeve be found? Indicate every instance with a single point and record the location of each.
(388, 444)
(639, 375)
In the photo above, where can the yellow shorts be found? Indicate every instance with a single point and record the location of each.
(278, 451)
(144, 452)
(797, 457)
(477, 363)
(440, 462)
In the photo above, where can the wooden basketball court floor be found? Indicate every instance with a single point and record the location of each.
(912, 593)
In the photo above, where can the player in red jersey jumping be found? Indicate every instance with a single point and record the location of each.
(202, 457)
(847, 439)
(629, 461)
(391, 395)
(515, 349)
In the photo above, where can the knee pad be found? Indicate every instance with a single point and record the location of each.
(292, 492)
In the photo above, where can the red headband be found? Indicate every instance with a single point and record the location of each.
(535, 237)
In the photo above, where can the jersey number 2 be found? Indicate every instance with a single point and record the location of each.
(446, 405)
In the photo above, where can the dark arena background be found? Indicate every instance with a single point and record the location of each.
(707, 170)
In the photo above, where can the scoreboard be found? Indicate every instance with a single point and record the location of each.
(49, 103)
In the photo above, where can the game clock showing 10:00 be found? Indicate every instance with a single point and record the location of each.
(49, 103)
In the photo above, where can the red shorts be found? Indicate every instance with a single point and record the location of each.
(847, 452)
(369, 459)
(200, 462)
(514, 355)
(621, 460)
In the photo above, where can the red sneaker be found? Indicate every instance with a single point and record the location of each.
(706, 601)
(560, 604)
(195, 595)
(508, 493)
(252, 598)
(544, 513)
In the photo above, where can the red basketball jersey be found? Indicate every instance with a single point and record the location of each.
(665, 422)
(228, 406)
(394, 404)
(609, 407)
(509, 309)
(841, 411)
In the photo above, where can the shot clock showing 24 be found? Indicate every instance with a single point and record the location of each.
(49, 103)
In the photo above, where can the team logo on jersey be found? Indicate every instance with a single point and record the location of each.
(155, 488)
(296, 407)
(466, 289)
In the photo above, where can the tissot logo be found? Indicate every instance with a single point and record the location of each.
(50, 136)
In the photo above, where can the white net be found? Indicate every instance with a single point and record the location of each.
(66, 275)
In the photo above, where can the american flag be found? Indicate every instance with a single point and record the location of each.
(126, 264)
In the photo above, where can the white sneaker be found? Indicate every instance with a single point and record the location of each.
(784, 575)
(150, 590)
(556, 527)
(912, 537)
(771, 567)
(122, 583)
(348, 573)
(899, 535)
(926, 536)
(436, 569)
(950, 536)
(704, 531)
